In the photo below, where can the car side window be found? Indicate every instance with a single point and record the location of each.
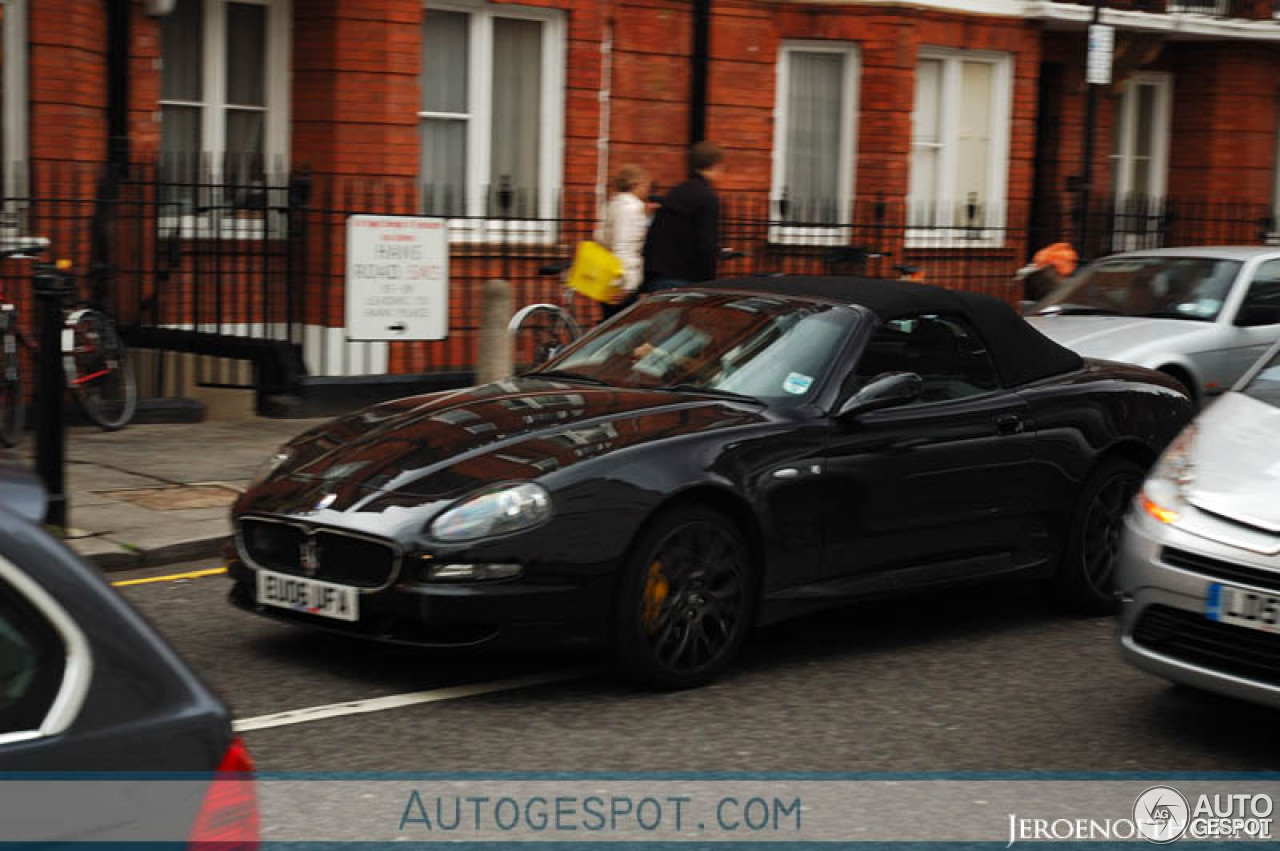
(32, 661)
(945, 351)
(1261, 305)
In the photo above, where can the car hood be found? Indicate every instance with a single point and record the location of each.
(1236, 461)
(438, 447)
(1113, 337)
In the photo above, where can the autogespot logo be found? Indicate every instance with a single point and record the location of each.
(1161, 814)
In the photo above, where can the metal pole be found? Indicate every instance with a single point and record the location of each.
(1090, 122)
(698, 77)
(50, 288)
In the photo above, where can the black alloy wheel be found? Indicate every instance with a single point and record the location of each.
(1088, 571)
(686, 600)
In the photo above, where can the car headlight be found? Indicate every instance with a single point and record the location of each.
(275, 462)
(1164, 493)
(501, 511)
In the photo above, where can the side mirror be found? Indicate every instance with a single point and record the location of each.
(886, 390)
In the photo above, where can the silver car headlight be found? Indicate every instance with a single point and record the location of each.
(1164, 493)
(506, 509)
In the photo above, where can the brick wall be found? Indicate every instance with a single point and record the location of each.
(67, 58)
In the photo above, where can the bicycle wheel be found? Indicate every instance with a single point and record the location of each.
(12, 411)
(98, 370)
(538, 333)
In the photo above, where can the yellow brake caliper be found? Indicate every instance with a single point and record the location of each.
(656, 589)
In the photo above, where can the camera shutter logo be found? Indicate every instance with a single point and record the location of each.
(1161, 814)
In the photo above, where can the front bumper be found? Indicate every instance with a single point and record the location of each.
(503, 613)
(1164, 629)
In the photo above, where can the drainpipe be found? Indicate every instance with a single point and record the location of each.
(606, 112)
(105, 208)
(118, 84)
(701, 58)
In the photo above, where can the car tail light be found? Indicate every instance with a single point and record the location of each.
(228, 818)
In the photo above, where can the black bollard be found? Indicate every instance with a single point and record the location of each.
(51, 288)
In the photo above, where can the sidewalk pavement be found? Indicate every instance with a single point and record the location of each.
(157, 494)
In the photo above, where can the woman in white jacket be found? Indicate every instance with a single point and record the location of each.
(622, 232)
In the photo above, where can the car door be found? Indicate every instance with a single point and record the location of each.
(1256, 324)
(936, 487)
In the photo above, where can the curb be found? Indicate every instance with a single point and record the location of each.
(196, 548)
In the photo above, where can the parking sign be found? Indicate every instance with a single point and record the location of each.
(397, 278)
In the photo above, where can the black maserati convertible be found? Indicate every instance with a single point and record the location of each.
(711, 459)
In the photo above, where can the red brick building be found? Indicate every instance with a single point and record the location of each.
(953, 115)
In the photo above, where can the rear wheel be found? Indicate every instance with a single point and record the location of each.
(12, 411)
(1086, 576)
(98, 369)
(686, 599)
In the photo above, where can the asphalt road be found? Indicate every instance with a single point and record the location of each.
(992, 679)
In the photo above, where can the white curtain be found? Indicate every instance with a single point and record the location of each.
(246, 72)
(926, 142)
(517, 111)
(973, 142)
(815, 118)
(444, 90)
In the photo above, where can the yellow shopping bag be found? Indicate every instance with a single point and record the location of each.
(595, 270)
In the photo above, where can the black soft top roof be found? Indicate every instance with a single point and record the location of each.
(1021, 353)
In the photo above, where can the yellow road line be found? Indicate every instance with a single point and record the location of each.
(195, 574)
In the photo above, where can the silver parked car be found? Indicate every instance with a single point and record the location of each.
(1199, 566)
(1202, 315)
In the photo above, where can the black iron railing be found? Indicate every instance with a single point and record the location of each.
(255, 267)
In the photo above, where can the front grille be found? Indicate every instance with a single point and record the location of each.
(1219, 569)
(339, 557)
(1193, 638)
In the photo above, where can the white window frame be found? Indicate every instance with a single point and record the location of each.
(1122, 163)
(945, 233)
(477, 228)
(278, 40)
(786, 233)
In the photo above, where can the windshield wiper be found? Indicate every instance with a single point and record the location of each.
(709, 391)
(568, 375)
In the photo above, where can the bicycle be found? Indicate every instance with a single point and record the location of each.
(539, 331)
(94, 361)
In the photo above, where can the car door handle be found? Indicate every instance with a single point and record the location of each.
(1011, 424)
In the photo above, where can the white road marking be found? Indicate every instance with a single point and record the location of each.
(397, 701)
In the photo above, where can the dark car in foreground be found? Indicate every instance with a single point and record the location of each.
(86, 685)
(711, 459)
(1200, 564)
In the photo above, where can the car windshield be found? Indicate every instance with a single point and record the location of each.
(1159, 287)
(768, 348)
(1265, 385)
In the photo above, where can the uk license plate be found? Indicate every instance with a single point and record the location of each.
(1238, 607)
(308, 596)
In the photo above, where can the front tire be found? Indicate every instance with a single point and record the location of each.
(1086, 576)
(686, 600)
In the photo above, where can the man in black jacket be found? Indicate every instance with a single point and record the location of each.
(683, 242)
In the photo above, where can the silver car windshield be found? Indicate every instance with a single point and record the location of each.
(1159, 287)
(1265, 384)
